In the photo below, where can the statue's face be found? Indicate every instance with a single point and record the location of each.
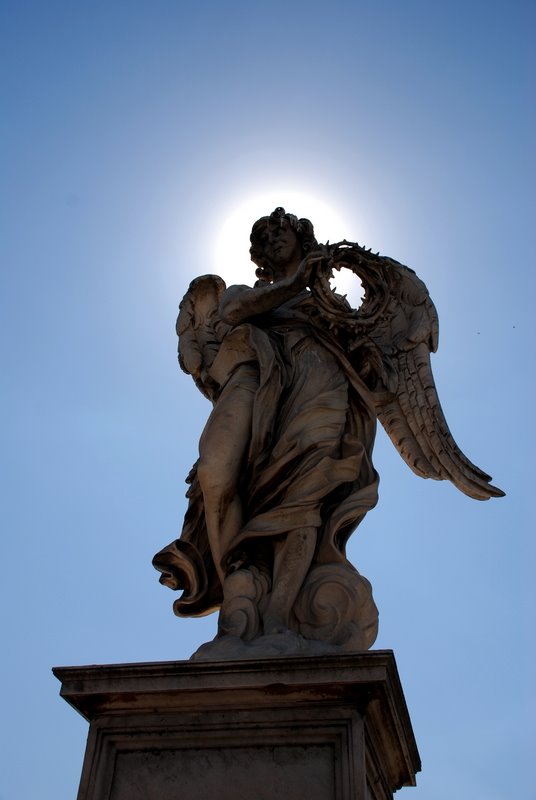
(280, 243)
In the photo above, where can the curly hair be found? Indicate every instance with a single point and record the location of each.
(302, 227)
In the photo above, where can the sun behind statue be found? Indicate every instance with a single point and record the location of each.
(285, 474)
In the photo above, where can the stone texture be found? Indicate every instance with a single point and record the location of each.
(318, 729)
(298, 379)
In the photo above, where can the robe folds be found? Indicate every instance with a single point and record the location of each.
(309, 458)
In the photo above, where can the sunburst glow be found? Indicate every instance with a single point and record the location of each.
(231, 252)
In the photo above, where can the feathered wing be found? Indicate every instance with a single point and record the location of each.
(187, 562)
(394, 333)
(200, 331)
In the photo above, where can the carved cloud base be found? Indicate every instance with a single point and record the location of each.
(303, 728)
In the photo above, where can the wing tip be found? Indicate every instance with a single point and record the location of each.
(479, 491)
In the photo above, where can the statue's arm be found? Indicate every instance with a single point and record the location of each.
(240, 303)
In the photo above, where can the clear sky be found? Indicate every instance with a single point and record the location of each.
(134, 136)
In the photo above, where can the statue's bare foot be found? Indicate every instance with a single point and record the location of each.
(273, 623)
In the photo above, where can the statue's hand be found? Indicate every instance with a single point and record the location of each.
(306, 271)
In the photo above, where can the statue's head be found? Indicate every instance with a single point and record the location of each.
(302, 229)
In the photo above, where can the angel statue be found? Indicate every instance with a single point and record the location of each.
(297, 378)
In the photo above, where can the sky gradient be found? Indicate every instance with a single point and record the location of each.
(132, 134)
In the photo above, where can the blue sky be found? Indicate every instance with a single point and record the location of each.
(131, 133)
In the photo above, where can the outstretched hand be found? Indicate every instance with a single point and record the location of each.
(306, 271)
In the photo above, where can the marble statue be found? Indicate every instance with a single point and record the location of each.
(297, 378)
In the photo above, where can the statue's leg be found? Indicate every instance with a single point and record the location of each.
(222, 450)
(292, 559)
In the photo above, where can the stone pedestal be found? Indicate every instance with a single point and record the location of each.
(335, 727)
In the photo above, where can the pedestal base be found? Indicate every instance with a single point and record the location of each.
(300, 728)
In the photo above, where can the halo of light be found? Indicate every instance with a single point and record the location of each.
(230, 257)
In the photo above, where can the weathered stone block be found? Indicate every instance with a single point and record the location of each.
(317, 729)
